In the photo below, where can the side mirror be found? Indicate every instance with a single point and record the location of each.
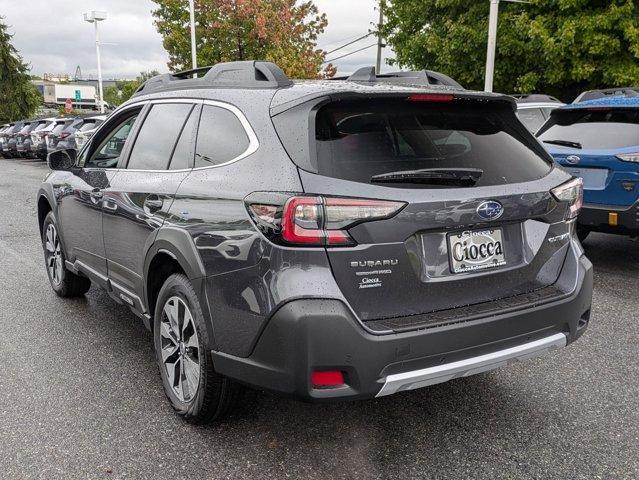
(62, 159)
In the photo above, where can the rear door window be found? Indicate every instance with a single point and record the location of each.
(596, 129)
(221, 137)
(158, 136)
(357, 140)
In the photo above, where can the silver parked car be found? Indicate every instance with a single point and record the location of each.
(533, 110)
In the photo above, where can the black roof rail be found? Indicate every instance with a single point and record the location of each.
(419, 77)
(241, 74)
(534, 98)
(607, 92)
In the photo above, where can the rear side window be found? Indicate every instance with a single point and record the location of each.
(597, 129)
(221, 137)
(357, 140)
(185, 148)
(158, 135)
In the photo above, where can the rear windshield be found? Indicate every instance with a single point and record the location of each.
(88, 125)
(58, 128)
(357, 140)
(598, 129)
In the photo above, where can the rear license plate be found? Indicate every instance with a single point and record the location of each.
(594, 178)
(473, 250)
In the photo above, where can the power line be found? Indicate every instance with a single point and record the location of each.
(337, 42)
(351, 53)
(350, 43)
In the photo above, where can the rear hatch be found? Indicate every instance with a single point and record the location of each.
(473, 185)
(600, 145)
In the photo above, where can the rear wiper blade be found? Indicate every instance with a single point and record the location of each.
(565, 143)
(460, 177)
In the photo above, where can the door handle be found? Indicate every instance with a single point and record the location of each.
(153, 203)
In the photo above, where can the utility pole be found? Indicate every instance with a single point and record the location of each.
(492, 41)
(380, 44)
(193, 46)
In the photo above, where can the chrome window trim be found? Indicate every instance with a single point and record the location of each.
(253, 146)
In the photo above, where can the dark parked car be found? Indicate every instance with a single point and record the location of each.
(9, 149)
(325, 239)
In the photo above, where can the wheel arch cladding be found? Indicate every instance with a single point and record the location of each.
(44, 207)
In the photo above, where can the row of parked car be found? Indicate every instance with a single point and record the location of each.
(36, 138)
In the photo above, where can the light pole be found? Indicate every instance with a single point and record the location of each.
(380, 44)
(94, 17)
(492, 42)
(193, 46)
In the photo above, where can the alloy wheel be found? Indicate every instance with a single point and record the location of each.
(53, 254)
(180, 349)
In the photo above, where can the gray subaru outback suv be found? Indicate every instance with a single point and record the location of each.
(335, 239)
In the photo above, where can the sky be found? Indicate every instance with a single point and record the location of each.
(52, 36)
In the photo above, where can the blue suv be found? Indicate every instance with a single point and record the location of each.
(598, 140)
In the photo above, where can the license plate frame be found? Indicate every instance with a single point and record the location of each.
(466, 259)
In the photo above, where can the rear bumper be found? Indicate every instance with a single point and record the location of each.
(315, 334)
(597, 218)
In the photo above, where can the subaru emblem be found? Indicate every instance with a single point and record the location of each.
(573, 159)
(490, 210)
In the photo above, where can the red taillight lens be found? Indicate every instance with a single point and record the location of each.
(318, 221)
(64, 135)
(327, 379)
(431, 97)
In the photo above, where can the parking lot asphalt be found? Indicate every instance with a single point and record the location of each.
(80, 394)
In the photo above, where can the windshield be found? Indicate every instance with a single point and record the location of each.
(359, 140)
(597, 128)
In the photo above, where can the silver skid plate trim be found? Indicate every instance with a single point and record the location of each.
(470, 366)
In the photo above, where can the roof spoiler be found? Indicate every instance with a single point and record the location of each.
(418, 77)
(626, 92)
(242, 74)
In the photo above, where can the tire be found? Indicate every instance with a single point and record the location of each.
(582, 233)
(182, 351)
(65, 283)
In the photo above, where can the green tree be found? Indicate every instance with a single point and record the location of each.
(124, 89)
(281, 31)
(559, 47)
(18, 97)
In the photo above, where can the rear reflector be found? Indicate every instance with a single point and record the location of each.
(613, 219)
(327, 378)
(430, 97)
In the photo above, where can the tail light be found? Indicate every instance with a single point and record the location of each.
(571, 192)
(430, 97)
(316, 221)
(629, 157)
(63, 135)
